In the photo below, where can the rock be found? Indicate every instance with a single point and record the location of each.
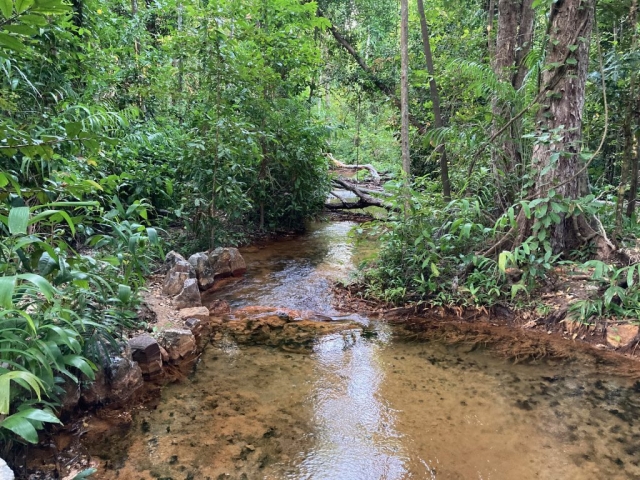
(227, 262)
(194, 325)
(176, 277)
(189, 296)
(619, 336)
(219, 307)
(201, 313)
(171, 259)
(291, 330)
(5, 472)
(164, 354)
(146, 351)
(202, 266)
(180, 344)
(117, 379)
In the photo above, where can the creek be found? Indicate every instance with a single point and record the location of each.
(368, 407)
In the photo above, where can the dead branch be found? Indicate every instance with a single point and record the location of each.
(372, 171)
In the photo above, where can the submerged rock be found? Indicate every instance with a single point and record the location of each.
(5, 472)
(189, 296)
(291, 330)
(146, 351)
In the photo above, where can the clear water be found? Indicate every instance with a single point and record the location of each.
(373, 408)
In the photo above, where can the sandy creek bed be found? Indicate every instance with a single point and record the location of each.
(381, 407)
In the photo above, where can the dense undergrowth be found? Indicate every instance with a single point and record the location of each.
(128, 129)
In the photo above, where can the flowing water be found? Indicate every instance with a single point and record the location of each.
(379, 407)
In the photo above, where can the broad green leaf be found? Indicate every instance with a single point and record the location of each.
(21, 427)
(51, 213)
(46, 264)
(7, 287)
(124, 293)
(6, 7)
(81, 364)
(11, 42)
(18, 220)
(153, 236)
(502, 260)
(38, 415)
(23, 5)
(5, 387)
(44, 287)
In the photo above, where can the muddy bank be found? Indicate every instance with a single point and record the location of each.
(516, 335)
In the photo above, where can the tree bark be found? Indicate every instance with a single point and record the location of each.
(514, 38)
(558, 162)
(404, 86)
(631, 157)
(435, 99)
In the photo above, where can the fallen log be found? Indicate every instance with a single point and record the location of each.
(372, 171)
(364, 199)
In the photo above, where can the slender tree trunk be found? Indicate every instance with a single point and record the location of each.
(435, 99)
(631, 157)
(404, 86)
(491, 44)
(558, 162)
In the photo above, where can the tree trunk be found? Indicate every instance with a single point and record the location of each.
(631, 157)
(558, 162)
(515, 35)
(404, 86)
(435, 99)
(491, 44)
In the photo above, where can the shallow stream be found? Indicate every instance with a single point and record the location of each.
(380, 407)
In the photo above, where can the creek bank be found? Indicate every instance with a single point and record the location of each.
(180, 328)
(519, 335)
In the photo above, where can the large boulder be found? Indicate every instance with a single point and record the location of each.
(176, 277)
(189, 296)
(145, 350)
(117, 379)
(202, 267)
(179, 343)
(227, 262)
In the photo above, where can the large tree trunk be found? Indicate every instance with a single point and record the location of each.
(404, 86)
(514, 38)
(435, 99)
(564, 77)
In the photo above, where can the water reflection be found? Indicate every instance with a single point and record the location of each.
(355, 434)
(296, 273)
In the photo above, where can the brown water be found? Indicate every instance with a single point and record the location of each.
(379, 407)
